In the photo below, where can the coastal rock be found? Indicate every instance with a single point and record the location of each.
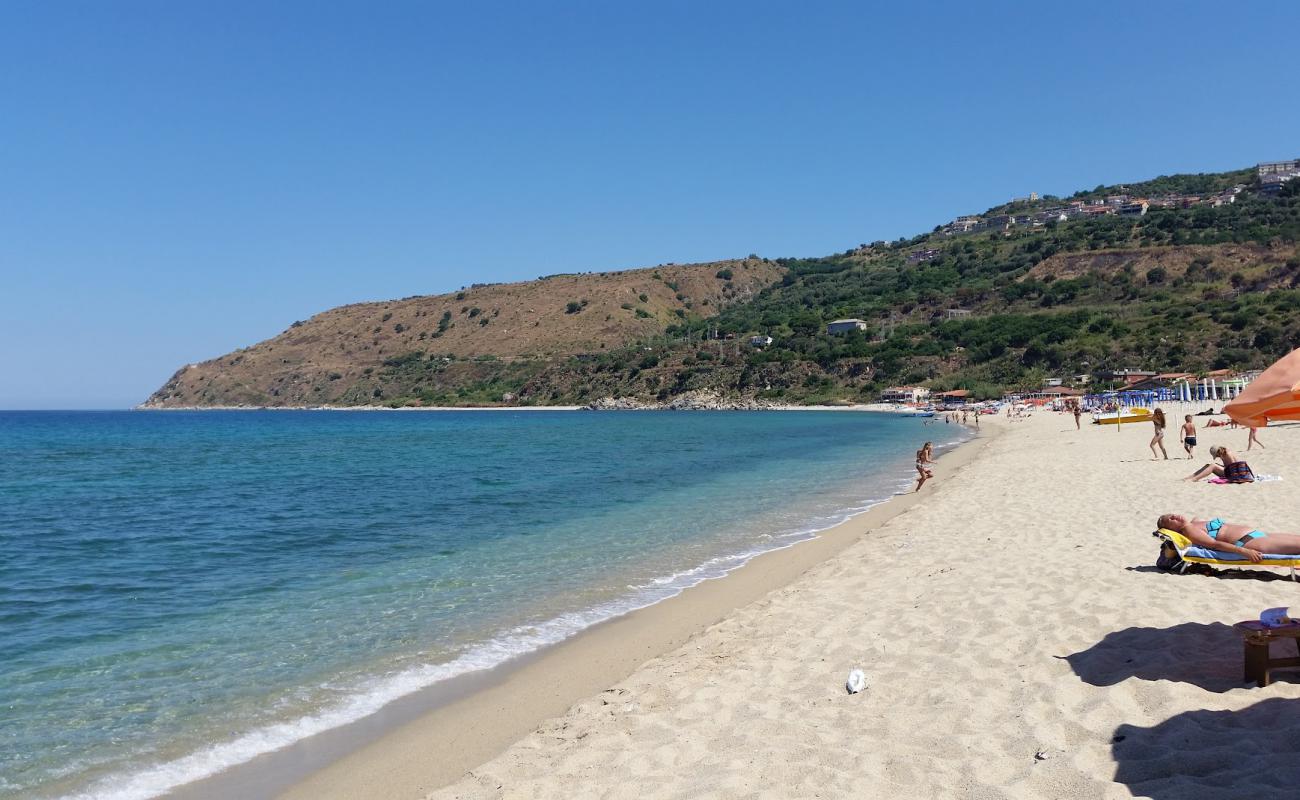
(697, 400)
(712, 400)
(619, 404)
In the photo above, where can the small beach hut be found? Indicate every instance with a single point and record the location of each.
(1275, 394)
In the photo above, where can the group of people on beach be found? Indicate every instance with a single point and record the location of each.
(1230, 469)
(1218, 534)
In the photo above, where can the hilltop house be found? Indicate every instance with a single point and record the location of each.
(760, 341)
(845, 325)
(1274, 174)
(905, 394)
(1278, 168)
(957, 313)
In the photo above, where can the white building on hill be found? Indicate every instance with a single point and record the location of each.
(845, 325)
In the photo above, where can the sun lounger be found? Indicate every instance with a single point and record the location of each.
(1201, 555)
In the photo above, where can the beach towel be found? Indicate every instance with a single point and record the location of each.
(1258, 479)
(1188, 553)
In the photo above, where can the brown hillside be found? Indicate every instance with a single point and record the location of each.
(320, 360)
(1226, 258)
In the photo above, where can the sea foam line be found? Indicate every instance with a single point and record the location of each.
(373, 695)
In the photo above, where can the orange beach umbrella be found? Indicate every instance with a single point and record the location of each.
(1275, 394)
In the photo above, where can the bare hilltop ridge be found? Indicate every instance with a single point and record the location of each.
(1182, 273)
(421, 350)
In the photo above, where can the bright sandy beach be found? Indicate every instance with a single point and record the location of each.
(1016, 639)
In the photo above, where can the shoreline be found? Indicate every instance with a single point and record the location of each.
(477, 715)
(883, 408)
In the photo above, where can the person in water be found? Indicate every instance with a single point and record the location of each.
(1234, 470)
(924, 457)
(1158, 419)
(1231, 537)
(1189, 436)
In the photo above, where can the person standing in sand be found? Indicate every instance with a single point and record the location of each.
(1251, 440)
(1078, 412)
(1189, 436)
(924, 457)
(1158, 419)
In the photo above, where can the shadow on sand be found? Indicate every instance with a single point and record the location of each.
(1213, 755)
(1208, 655)
(1224, 573)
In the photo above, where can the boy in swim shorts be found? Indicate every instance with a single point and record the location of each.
(1189, 435)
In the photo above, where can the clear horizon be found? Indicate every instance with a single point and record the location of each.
(184, 180)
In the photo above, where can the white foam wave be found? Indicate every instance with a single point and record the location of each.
(369, 697)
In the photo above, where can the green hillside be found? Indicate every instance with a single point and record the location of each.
(1188, 289)
(1207, 278)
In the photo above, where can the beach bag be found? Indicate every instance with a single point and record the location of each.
(1170, 561)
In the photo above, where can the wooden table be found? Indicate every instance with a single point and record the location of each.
(1257, 637)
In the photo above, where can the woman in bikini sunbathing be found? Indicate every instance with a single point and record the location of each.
(1230, 537)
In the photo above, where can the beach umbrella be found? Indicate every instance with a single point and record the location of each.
(1275, 394)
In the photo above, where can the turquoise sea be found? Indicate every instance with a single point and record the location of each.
(182, 591)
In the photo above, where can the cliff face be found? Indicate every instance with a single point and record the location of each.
(427, 347)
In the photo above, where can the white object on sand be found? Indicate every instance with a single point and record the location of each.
(857, 681)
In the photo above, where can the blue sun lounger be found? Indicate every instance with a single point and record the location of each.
(1203, 555)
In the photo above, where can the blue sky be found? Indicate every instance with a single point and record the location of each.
(181, 179)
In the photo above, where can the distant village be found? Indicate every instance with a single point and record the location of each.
(1272, 176)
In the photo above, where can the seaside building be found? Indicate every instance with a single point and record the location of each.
(956, 397)
(845, 325)
(905, 394)
(1127, 376)
(1054, 393)
(1162, 381)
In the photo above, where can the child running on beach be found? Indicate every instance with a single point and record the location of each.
(1189, 436)
(924, 456)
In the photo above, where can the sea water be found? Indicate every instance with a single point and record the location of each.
(183, 591)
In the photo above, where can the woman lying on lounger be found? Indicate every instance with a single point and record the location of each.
(1234, 470)
(1230, 537)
